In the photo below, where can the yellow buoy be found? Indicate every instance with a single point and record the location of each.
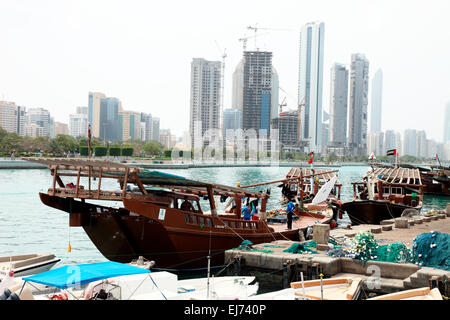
(69, 248)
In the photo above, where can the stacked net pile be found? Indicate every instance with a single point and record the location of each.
(395, 252)
(432, 250)
(364, 246)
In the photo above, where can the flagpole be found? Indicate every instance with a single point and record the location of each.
(89, 154)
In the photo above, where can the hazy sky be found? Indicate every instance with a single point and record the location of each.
(52, 53)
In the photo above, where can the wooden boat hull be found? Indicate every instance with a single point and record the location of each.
(413, 294)
(172, 240)
(374, 211)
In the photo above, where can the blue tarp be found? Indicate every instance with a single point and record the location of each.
(74, 275)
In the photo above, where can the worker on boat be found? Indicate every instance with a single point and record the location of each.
(186, 205)
(290, 211)
(247, 213)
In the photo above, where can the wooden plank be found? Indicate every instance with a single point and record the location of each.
(78, 181)
(55, 173)
(99, 182)
(125, 183)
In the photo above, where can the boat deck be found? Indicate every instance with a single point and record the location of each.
(302, 223)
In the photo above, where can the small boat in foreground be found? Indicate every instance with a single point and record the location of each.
(413, 294)
(116, 281)
(23, 265)
(347, 288)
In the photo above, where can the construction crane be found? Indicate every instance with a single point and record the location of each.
(283, 104)
(244, 40)
(256, 28)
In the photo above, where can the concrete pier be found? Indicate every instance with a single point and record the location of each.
(378, 277)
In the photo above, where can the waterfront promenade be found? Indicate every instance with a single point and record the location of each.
(17, 163)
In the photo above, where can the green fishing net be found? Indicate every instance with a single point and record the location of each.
(395, 252)
(247, 245)
(432, 250)
(302, 248)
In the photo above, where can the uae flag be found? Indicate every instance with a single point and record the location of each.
(392, 152)
(437, 159)
(311, 154)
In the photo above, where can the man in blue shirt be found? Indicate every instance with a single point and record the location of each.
(290, 210)
(247, 213)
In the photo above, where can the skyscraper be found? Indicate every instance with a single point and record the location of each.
(94, 112)
(21, 120)
(376, 105)
(147, 119)
(447, 123)
(257, 91)
(109, 118)
(129, 125)
(78, 122)
(205, 95)
(338, 105)
(238, 89)
(232, 120)
(359, 86)
(310, 84)
(8, 116)
(237, 97)
(41, 118)
(410, 142)
(155, 129)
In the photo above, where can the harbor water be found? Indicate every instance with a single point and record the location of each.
(28, 226)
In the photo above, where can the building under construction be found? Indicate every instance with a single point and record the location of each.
(287, 125)
(257, 91)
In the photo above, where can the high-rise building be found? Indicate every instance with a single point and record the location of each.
(167, 139)
(41, 118)
(257, 91)
(359, 86)
(78, 123)
(155, 129)
(232, 120)
(410, 142)
(8, 116)
(146, 118)
(129, 125)
(447, 123)
(205, 95)
(21, 120)
(421, 144)
(237, 98)
(274, 93)
(60, 128)
(94, 112)
(376, 101)
(375, 143)
(109, 118)
(238, 89)
(338, 106)
(286, 124)
(33, 130)
(310, 84)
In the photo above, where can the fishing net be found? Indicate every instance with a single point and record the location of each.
(338, 253)
(247, 245)
(363, 246)
(395, 252)
(432, 250)
(302, 248)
